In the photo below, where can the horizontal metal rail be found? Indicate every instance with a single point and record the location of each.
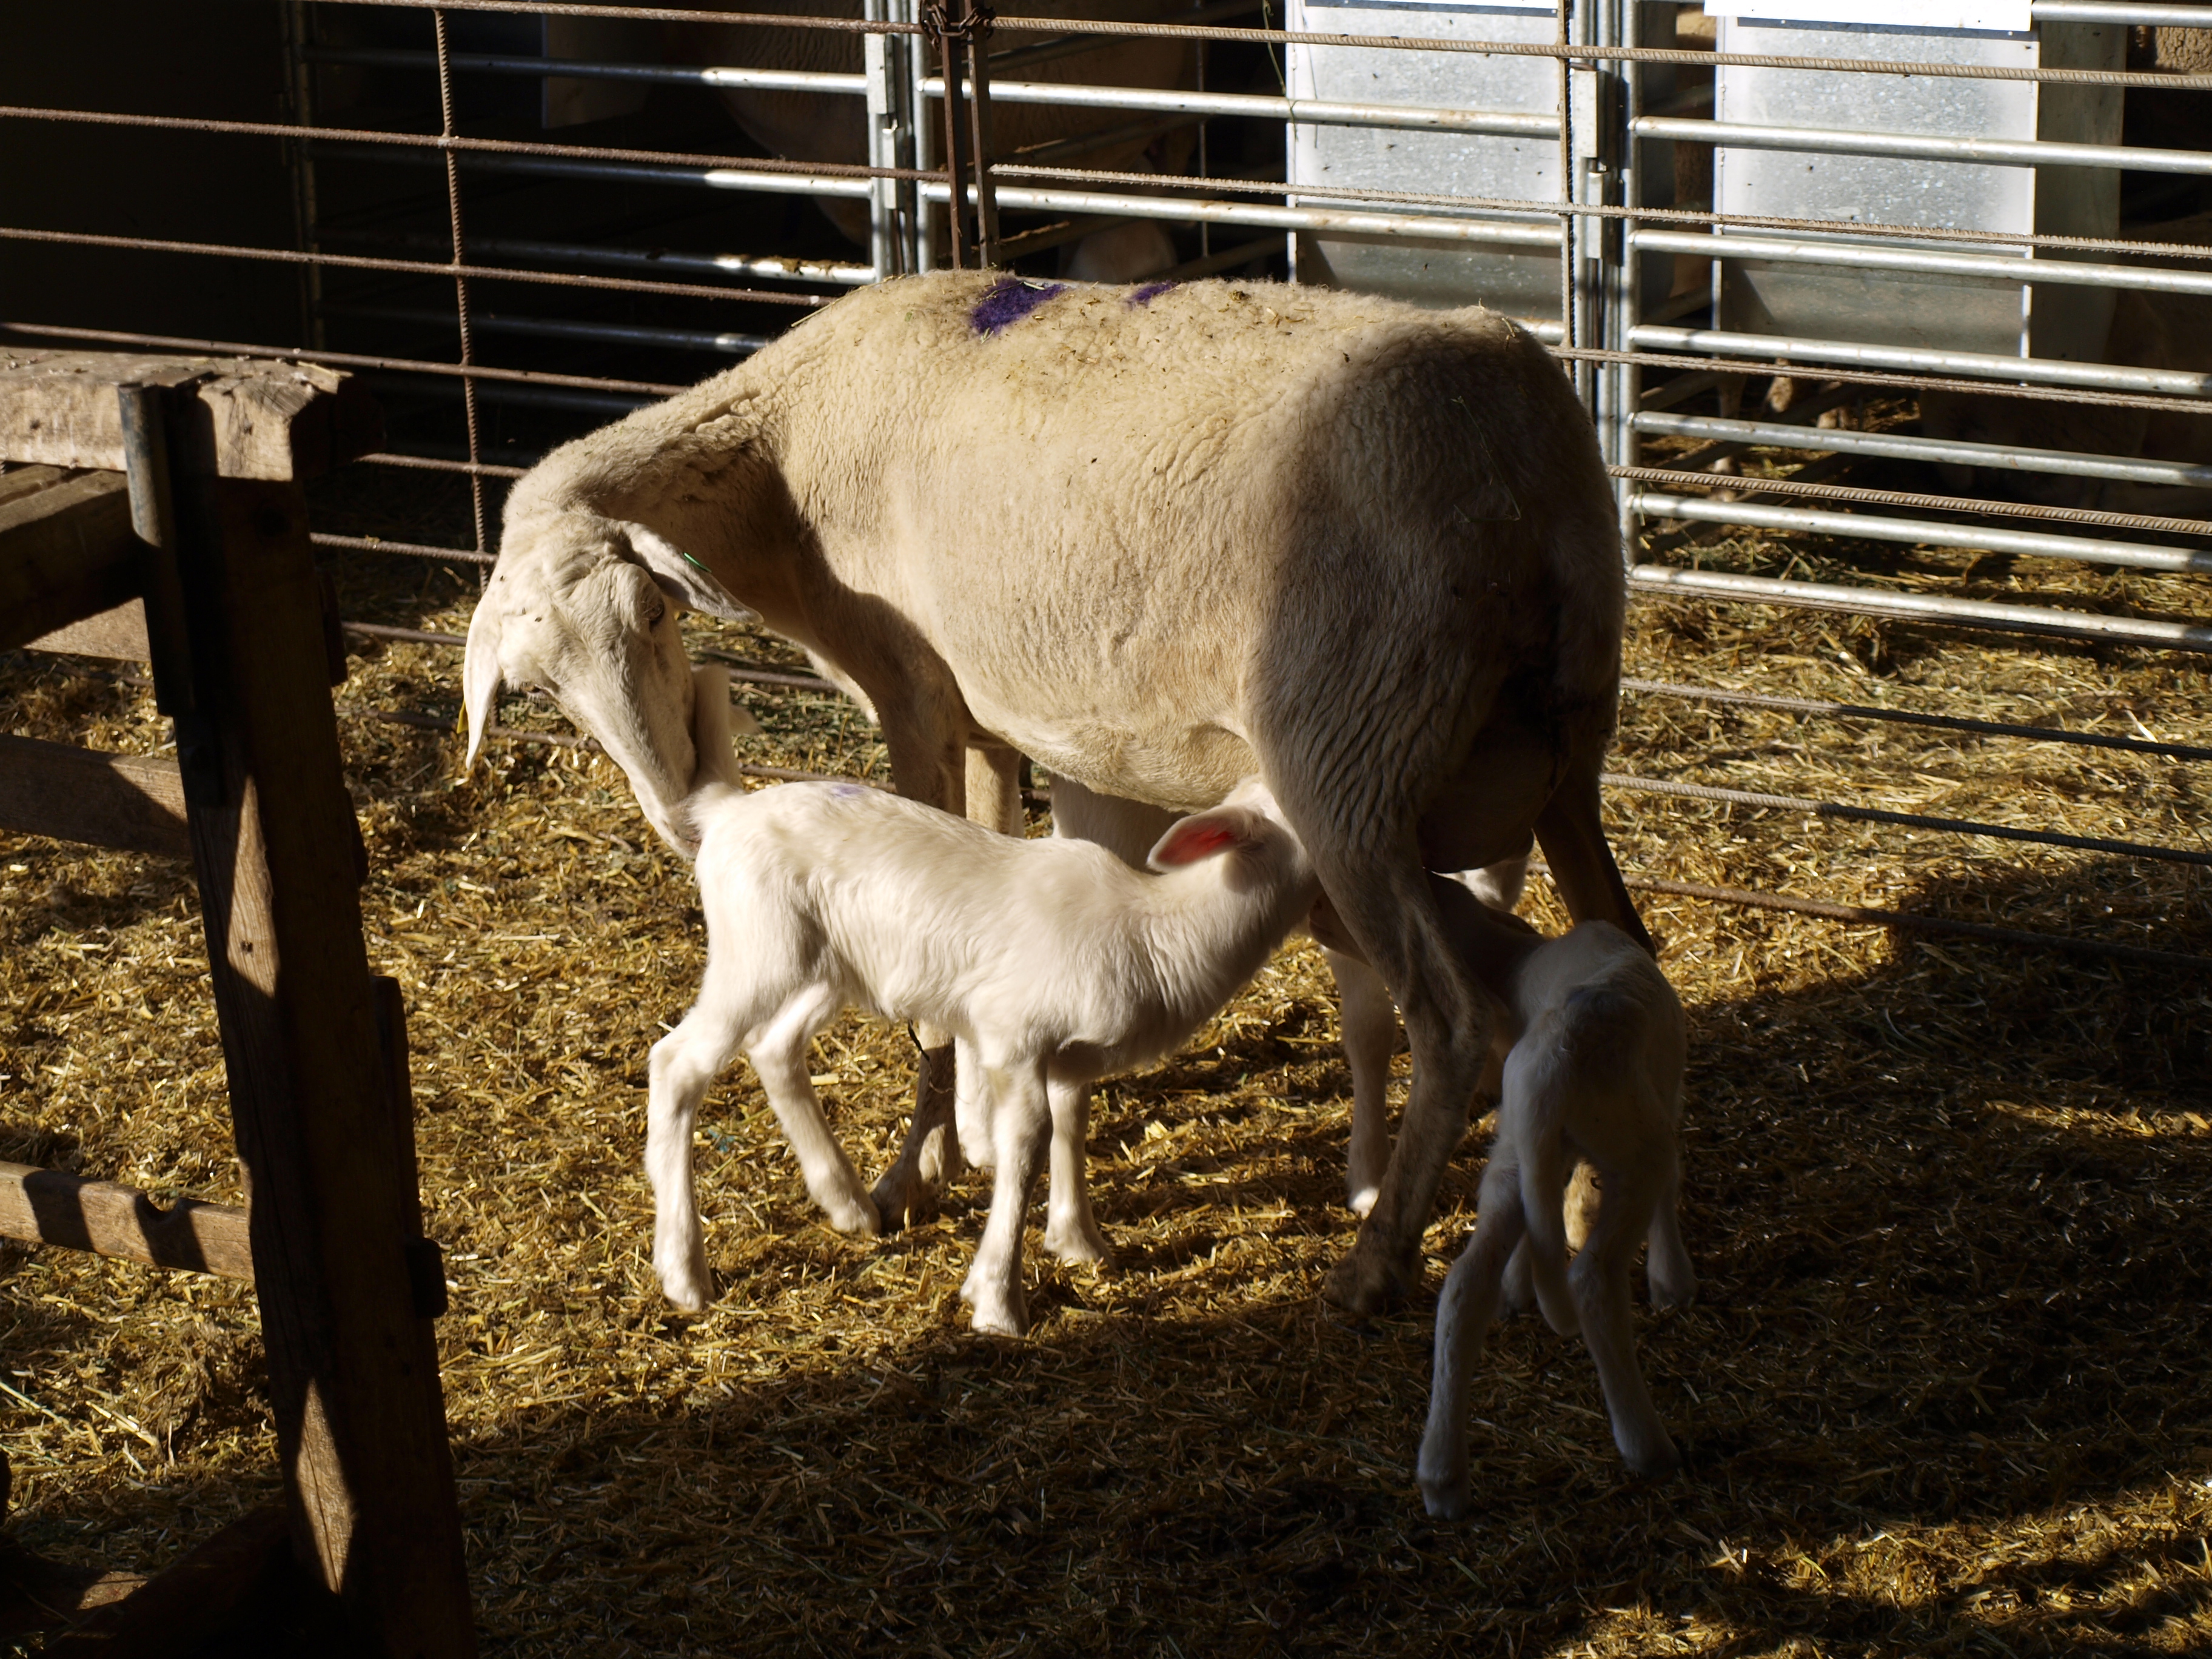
(1994, 268)
(2070, 462)
(434, 464)
(742, 176)
(1920, 147)
(1923, 532)
(411, 549)
(579, 69)
(1912, 921)
(1659, 580)
(1185, 31)
(2048, 371)
(1753, 483)
(526, 397)
(1860, 711)
(1829, 809)
(1391, 225)
(842, 272)
(561, 328)
(1314, 112)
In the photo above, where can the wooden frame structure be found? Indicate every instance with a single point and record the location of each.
(154, 510)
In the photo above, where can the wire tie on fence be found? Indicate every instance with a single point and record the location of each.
(971, 30)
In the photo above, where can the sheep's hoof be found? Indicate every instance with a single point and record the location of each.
(901, 1199)
(1365, 1284)
(996, 1314)
(854, 1212)
(1362, 1200)
(1656, 1461)
(687, 1282)
(1448, 1500)
(1071, 1241)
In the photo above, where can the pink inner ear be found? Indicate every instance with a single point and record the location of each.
(1202, 841)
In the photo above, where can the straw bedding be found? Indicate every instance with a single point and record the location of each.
(1944, 1389)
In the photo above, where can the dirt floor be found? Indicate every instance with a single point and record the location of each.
(1944, 1390)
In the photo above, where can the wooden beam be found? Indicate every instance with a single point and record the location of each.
(120, 633)
(236, 417)
(45, 1206)
(66, 552)
(233, 1594)
(134, 803)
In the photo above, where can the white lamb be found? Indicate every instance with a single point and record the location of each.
(1595, 1074)
(1051, 960)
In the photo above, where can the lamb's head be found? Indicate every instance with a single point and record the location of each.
(1264, 851)
(584, 606)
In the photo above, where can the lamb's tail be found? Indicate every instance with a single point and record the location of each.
(1598, 1029)
(715, 776)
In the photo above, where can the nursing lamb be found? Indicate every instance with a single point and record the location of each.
(1053, 961)
(1162, 539)
(1596, 1074)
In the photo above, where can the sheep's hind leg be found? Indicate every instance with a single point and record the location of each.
(1368, 1020)
(779, 1056)
(682, 1068)
(1464, 1313)
(1071, 1231)
(907, 1192)
(1021, 1122)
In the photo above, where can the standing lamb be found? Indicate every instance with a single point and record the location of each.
(1596, 1074)
(1053, 961)
(1161, 538)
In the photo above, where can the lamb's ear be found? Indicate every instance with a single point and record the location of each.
(1203, 835)
(690, 583)
(480, 676)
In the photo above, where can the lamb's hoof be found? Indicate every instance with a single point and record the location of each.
(1672, 1296)
(996, 1314)
(1362, 1200)
(901, 1199)
(1365, 1283)
(1657, 1461)
(687, 1281)
(1448, 1500)
(856, 1214)
(1072, 1241)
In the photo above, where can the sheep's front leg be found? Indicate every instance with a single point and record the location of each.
(780, 1057)
(1464, 1313)
(683, 1065)
(1021, 1122)
(1071, 1231)
(1369, 1019)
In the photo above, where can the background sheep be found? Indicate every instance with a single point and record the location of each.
(1594, 1074)
(1054, 962)
(1161, 540)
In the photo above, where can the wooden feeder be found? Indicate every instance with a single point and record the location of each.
(152, 509)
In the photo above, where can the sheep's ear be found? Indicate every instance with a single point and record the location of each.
(690, 583)
(480, 676)
(1202, 835)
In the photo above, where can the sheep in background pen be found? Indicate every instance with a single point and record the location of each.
(1162, 539)
(1053, 962)
(1594, 1074)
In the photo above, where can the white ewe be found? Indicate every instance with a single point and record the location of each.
(1162, 539)
(1596, 1074)
(1052, 961)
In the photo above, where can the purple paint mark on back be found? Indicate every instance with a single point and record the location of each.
(847, 790)
(1150, 291)
(1008, 301)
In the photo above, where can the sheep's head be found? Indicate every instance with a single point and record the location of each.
(585, 607)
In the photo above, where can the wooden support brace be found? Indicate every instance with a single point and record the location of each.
(232, 1594)
(66, 551)
(134, 803)
(45, 1206)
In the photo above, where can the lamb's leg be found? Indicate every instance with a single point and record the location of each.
(1519, 1295)
(1599, 1276)
(682, 1066)
(1021, 1123)
(1369, 1023)
(779, 1056)
(1667, 1262)
(971, 1107)
(1071, 1231)
(930, 1157)
(1463, 1320)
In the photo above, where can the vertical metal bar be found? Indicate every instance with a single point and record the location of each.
(306, 214)
(923, 229)
(460, 282)
(882, 144)
(1566, 178)
(1629, 388)
(945, 19)
(978, 32)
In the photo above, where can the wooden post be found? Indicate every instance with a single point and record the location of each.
(353, 1366)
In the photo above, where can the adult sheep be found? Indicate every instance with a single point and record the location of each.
(1159, 539)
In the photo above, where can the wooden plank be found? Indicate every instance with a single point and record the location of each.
(232, 1593)
(236, 417)
(120, 633)
(353, 1366)
(134, 803)
(45, 1206)
(66, 552)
